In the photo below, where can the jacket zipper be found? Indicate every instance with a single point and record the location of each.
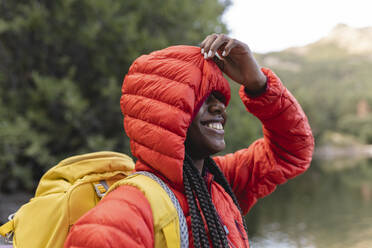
(209, 185)
(241, 233)
(226, 231)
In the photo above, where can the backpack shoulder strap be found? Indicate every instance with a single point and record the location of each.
(6, 230)
(170, 227)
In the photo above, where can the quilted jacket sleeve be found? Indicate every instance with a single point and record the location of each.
(116, 221)
(284, 152)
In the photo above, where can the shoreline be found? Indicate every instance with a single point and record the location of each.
(328, 152)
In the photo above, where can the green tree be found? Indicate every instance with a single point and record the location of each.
(61, 68)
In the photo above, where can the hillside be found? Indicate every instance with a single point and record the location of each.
(331, 78)
(354, 41)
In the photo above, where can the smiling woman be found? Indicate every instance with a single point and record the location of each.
(206, 134)
(174, 103)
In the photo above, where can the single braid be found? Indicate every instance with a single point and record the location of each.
(196, 220)
(199, 193)
(220, 178)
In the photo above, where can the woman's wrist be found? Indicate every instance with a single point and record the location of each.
(258, 88)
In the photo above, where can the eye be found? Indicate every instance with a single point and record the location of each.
(219, 96)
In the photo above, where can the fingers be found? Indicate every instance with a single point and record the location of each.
(206, 44)
(228, 47)
(219, 44)
(216, 43)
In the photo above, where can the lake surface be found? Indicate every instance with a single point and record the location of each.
(328, 206)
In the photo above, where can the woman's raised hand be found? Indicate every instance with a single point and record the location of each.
(235, 60)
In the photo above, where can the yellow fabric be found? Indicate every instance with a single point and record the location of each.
(166, 223)
(64, 194)
(171, 237)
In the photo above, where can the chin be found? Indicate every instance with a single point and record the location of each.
(216, 147)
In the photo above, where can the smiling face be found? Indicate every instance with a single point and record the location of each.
(205, 135)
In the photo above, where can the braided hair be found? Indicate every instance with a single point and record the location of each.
(198, 197)
(220, 178)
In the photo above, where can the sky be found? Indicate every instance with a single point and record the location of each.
(273, 25)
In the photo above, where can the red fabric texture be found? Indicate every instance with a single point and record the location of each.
(161, 93)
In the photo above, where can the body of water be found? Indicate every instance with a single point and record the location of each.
(328, 206)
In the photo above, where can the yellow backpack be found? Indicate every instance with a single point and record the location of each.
(75, 185)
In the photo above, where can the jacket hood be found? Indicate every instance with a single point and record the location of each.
(160, 96)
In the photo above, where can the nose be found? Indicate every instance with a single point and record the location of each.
(216, 107)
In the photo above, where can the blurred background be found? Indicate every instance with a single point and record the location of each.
(62, 63)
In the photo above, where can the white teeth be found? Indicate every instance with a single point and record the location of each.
(215, 125)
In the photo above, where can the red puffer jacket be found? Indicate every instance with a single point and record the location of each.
(161, 93)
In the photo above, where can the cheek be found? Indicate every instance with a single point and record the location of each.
(212, 142)
(193, 135)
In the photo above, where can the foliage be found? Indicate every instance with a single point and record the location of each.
(330, 84)
(61, 68)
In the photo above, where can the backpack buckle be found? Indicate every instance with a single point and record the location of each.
(9, 236)
(101, 188)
